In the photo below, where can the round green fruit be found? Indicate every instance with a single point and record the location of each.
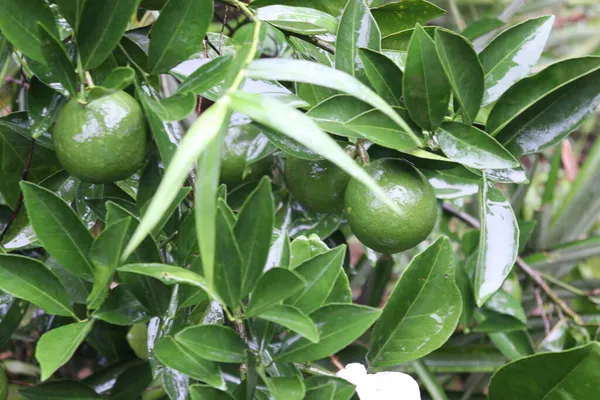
(317, 185)
(103, 141)
(379, 227)
(233, 158)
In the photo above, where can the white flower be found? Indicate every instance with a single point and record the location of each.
(382, 385)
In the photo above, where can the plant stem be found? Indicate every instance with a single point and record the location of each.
(531, 273)
(243, 7)
(360, 147)
(458, 19)
(429, 381)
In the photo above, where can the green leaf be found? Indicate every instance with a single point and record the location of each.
(473, 148)
(59, 390)
(207, 76)
(167, 274)
(572, 374)
(338, 324)
(292, 319)
(58, 61)
(481, 26)
(43, 106)
(343, 390)
(357, 28)
(12, 311)
(385, 76)
(57, 346)
(121, 308)
(463, 70)
(320, 274)
(105, 254)
(541, 110)
(228, 261)
(19, 23)
(30, 280)
(398, 16)
(59, 229)
(102, 24)
(214, 342)
(286, 387)
(302, 20)
(452, 183)
(253, 233)
(498, 243)
(270, 112)
(422, 311)
(71, 10)
(173, 108)
(513, 345)
(178, 33)
(202, 392)
(119, 78)
(425, 86)
(510, 56)
(174, 355)
(276, 285)
(332, 7)
(132, 383)
(316, 74)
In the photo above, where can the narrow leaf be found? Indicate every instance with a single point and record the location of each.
(58, 60)
(302, 20)
(228, 261)
(276, 285)
(214, 342)
(293, 319)
(385, 76)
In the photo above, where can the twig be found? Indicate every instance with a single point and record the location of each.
(458, 19)
(429, 381)
(540, 303)
(24, 174)
(243, 7)
(360, 147)
(531, 273)
(336, 362)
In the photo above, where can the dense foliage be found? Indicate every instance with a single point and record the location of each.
(222, 200)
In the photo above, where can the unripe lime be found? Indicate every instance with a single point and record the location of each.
(103, 141)
(317, 185)
(233, 158)
(379, 227)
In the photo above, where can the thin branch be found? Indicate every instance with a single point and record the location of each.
(542, 310)
(530, 272)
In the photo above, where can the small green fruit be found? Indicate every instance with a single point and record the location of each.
(375, 224)
(233, 157)
(103, 141)
(317, 185)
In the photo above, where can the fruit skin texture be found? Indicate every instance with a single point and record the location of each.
(317, 185)
(380, 228)
(103, 141)
(233, 157)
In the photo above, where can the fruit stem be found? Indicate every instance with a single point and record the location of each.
(360, 147)
(82, 79)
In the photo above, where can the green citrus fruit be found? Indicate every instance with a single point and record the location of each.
(103, 141)
(317, 185)
(153, 4)
(233, 157)
(379, 227)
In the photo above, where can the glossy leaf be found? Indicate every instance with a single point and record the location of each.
(333, 7)
(473, 148)
(214, 342)
(121, 308)
(398, 16)
(570, 374)
(338, 324)
(302, 20)
(425, 86)
(207, 76)
(57, 59)
(102, 24)
(320, 274)
(174, 355)
(57, 346)
(173, 108)
(422, 311)
(510, 56)
(59, 390)
(513, 345)
(29, 279)
(286, 387)
(292, 319)
(357, 28)
(178, 33)
(202, 392)
(294, 124)
(452, 183)
(59, 229)
(105, 254)
(463, 70)
(274, 286)
(316, 74)
(43, 106)
(385, 76)
(541, 110)
(498, 243)
(253, 233)
(229, 264)
(19, 23)
(119, 78)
